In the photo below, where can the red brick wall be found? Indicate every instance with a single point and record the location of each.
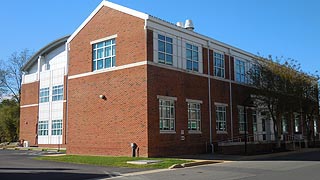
(130, 41)
(28, 124)
(29, 115)
(211, 58)
(232, 67)
(183, 86)
(149, 45)
(220, 94)
(107, 127)
(226, 60)
(29, 93)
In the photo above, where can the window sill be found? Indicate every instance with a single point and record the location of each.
(194, 132)
(167, 132)
(104, 69)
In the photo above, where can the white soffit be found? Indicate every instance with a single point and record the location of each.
(112, 6)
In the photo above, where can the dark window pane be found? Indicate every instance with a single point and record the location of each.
(100, 64)
(169, 48)
(161, 37)
(189, 65)
(161, 46)
(161, 56)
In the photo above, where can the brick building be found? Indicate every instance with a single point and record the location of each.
(127, 77)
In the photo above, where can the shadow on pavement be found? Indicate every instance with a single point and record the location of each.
(312, 154)
(38, 169)
(52, 175)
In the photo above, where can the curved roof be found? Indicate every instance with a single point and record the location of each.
(45, 50)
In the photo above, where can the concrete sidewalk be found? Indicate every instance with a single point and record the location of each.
(61, 150)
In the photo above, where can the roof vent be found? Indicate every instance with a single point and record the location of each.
(180, 24)
(189, 25)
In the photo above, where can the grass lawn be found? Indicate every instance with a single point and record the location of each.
(113, 161)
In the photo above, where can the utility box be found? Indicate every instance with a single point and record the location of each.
(25, 143)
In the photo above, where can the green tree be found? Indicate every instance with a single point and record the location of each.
(282, 88)
(9, 120)
(11, 74)
(10, 86)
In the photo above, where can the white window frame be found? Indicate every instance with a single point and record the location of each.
(56, 127)
(193, 59)
(221, 110)
(254, 120)
(167, 104)
(194, 107)
(315, 126)
(219, 68)
(106, 46)
(57, 93)
(297, 122)
(168, 41)
(284, 124)
(43, 128)
(44, 94)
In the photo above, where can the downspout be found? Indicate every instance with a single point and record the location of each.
(230, 96)
(209, 99)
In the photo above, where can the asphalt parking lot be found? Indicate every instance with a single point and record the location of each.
(17, 164)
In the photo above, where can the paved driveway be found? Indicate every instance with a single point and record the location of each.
(16, 164)
(296, 166)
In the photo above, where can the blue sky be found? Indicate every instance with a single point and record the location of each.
(289, 28)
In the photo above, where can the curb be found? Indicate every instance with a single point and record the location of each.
(34, 149)
(196, 163)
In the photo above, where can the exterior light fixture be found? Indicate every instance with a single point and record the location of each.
(101, 96)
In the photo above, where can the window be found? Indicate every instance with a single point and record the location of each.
(194, 116)
(43, 128)
(165, 50)
(57, 93)
(104, 54)
(255, 74)
(221, 118)
(241, 71)
(167, 115)
(192, 57)
(254, 120)
(44, 95)
(56, 127)
(284, 123)
(219, 65)
(296, 122)
(242, 122)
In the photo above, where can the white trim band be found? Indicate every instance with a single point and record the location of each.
(108, 69)
(220, 104)
(167, 97)
(29, 105)
(104, 39)
(194, 101)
